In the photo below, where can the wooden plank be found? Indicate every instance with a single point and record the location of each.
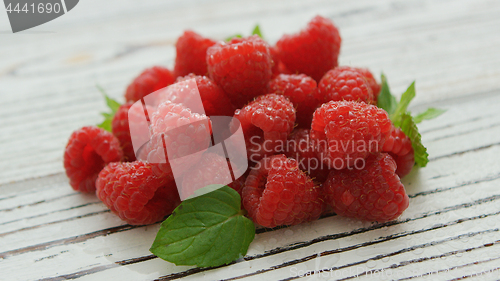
(449, 47)
(66, 88)
(435, 177)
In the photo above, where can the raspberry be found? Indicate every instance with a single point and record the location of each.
(398, 145)
(89, 149)
(372, 83)
(266, 123)
(191, 55)
(301, 147)
(276, 61)
(212, 169)
(313, 51)
(242, 67)
(174, 128)
(133, 192)
(346, 132)
(215, 101)
(278, 66)
(277, 192)
(238, 184)
(301, 90)
(344, 83)
(150, 80)
(374, 193)
(121, 131)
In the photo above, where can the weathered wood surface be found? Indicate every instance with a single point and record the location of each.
(47, 90)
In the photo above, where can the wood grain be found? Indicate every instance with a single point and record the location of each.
(47, 90)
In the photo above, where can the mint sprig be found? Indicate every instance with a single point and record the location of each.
(255, 31)
(208, 230)
(409, 127)
(108, 116)
(430, 113)
(402, 118)
(233, 36)
(402, 106)
(385, 99)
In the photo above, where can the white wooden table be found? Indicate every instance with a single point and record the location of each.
(450, 231)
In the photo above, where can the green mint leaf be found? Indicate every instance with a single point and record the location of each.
(234, 36)
(113, 106)
(106, 125)
(385, 99)
(405, 100)
(409, 127)
(111, 103)
(257, 31)
(430, 113)
(209, 230)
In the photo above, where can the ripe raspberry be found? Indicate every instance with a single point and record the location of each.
(121, 131)
(344, 83)
(266, 123)
(89, 149)
(312, 51)
(133, 192)
(174, 128)
(238, 184)
(372, 83)
(398, 145)
(215, 101)
(242, 67)
(346, 132)
(212, 169)
(301, 147)
(191, 55)
(374, 193)
(277, 192)
(301, 90)
(150, 80)
(276, 61)
(278, 66)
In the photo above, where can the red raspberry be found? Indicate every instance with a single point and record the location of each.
(344, 83)
(121, 131)
(238, 184)
(398, 145)
(266, 123)
(313, 51)
(347, 131)
(242, 67)
(278, 66)
(89, 149)
(135, 194)
(277, 192)
(150, 80)
(301, 90)
(301, 147)
(215, 101)
(276, 61)
(372, 82)
(191, 54)
(174, 128)
(212, 169)
(374, 193)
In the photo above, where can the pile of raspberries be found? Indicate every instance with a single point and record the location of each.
(316, 141)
